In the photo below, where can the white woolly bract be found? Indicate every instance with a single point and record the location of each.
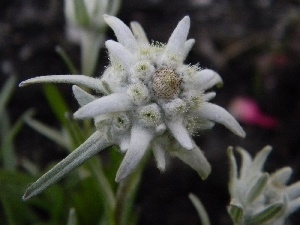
(147, 97)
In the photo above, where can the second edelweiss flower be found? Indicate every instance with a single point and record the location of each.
(146, 99)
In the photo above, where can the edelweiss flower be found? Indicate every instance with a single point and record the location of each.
(258, 197)
(146, 99)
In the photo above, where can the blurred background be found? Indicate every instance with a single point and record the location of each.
(255, 47)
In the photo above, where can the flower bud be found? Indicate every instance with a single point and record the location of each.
(121, 122)
(149, 115)
(142, 71)
(175, 107)
(194, 99)
(138, 93)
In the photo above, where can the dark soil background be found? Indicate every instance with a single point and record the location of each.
(254, 45)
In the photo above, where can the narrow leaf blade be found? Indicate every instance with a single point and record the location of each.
(200, 209)
(90, 147)
(257, 188)
(267, 214)
(6, 92)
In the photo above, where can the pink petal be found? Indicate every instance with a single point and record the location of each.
(248, 111)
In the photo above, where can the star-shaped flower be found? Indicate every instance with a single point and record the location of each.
(146, 99)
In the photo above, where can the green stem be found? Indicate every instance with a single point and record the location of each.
(91, 43)
(8, 211)
(126, 193)
(105, 188)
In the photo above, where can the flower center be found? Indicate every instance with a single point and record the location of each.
(166, 83)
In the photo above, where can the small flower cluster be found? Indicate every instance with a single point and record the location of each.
(85, 25)
(147, 98)
(258, 197)
(88, 14)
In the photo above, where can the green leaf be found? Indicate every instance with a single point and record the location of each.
(104, 188)
(6, 92)
(81, 13)
(15, 211)
(57, 102)
(200, 209)
(54, 202)
(66, 60)
(257, 188)
(76, 133)
(61, 111)
(7, 148)
(236, 212)
(53, 134)
(13, 183)
(30, 167)
(87, 201)
(112, 166)
(267, 214)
